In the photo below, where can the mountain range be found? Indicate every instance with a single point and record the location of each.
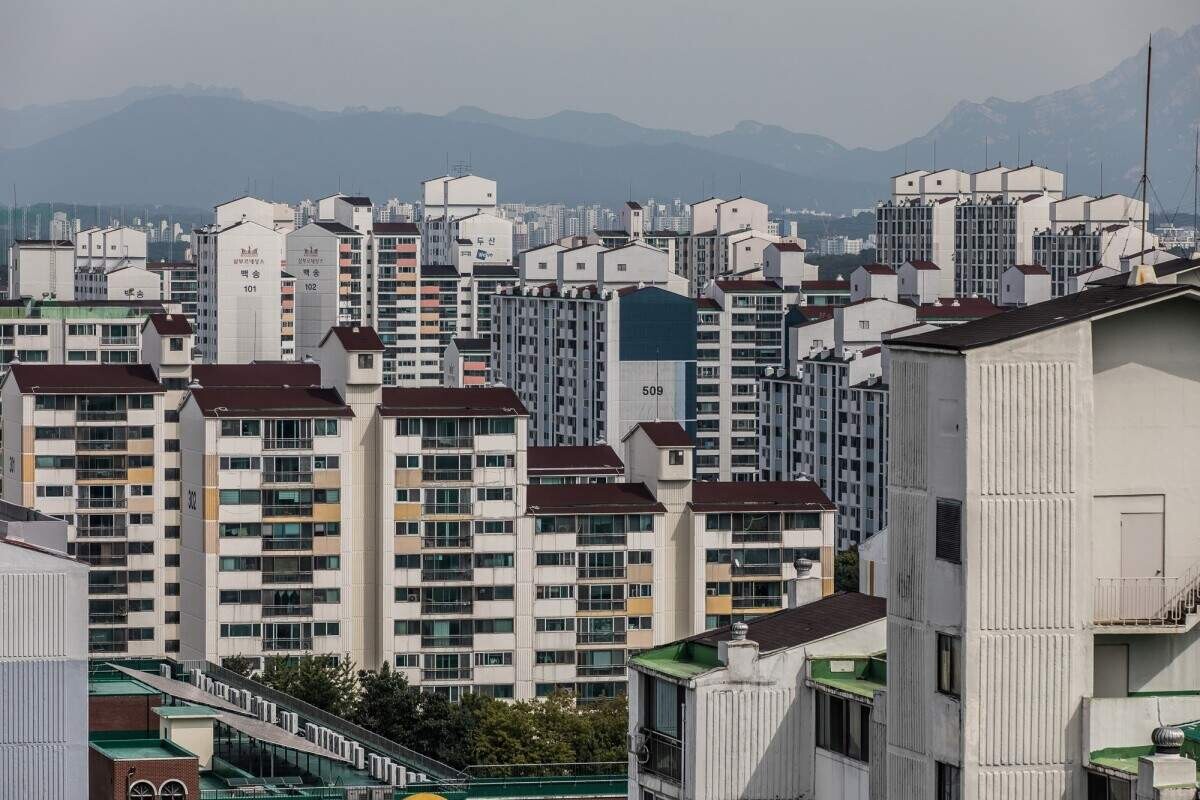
(198, 145)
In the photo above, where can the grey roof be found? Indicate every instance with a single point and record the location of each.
(807, 623)
(178, 689)
(336, 227)
(266, 733)
(1162, 269)
(1043, 316)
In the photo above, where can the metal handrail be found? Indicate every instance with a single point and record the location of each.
(1150, 600)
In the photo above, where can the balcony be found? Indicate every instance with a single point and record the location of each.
(599, 540)
(101, 445)
(460, 640)
(276, 543)
(104, 560)
(757, 569)
(758, 601)
(99, 502)
(289, 576)
(447, 442)
(287, 477)
(446, 508)
(448, 574)
(740, 537)
(288, 510)
(593, 573)
(288, 443)
(297, 643)
(663, 755)
(293, 610)
(108, 619)
(108, 588)
(599, 670)
(101, 474)
(447, 542)
(447, 674)
(600, 637)
(100, 531)
(601, 605)
(118, 341)
(447, 607)
(107, 647)
(1150, 603)
(447, 475)
(101, 415)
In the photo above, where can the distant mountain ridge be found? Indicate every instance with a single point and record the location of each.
(130, 148)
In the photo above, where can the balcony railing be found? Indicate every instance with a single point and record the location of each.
(298, 643)
(276, 543)
(101, 445)
(447, 674)
(664, 755)
(447, 442)
(599, 670)
(287, 510)
(455, 574)
(448, 607)
(104, 560)
(107, 647)
(447, 542)
(757, 536)
(601, 605)
(101, 415)
(294, 610)
(289, 576)
(101, 474)
(758, 601)
(287, 477)
(99, 502)
(100, 531)
(757, 569)
(108, 588)
(118, 341)
(590, 573)
(447, 475)
(288, 443)
(600, 637)
(600, 539)
(108, 619)
(1157, 600)
(447, 508)
(461, 640)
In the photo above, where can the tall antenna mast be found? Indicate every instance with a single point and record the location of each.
(1196, 198)
(1142, 272)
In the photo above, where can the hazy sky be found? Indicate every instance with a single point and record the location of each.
(865, 72)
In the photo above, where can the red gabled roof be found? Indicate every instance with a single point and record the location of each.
(879, 269)
(793, 247)
(169, 324)
(591, 498)
(1031, 269)
(395, 229)
(85, 378)
(663, 434)
(257, 374)
(477, 401)
(733, 287)
(356, 338)
(275, 401)
(841, 285)
(958, 307)
(598, 459)
(712, 496)
(924, 265)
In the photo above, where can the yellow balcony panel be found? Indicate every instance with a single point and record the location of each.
(641, 573)
(327, 512)
(408, 477)
(327, 479)
(327, 545)
(640, 605)
(141, 475)
(718, 572)
(408, 544)
(408, 511)
(637, 640)
(719, 604)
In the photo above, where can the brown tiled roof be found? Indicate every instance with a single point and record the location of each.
(356, 338)
(879, 269)
(708, 303)
(792, 247)
(591, 498)
(807, 623)
(275, 401)
(466, 345)
(1030, 269)
(663, 434)
(169, 324)
(494, 271)
(476, 401)
(710, 496)
(85, 378)
(598, 459)
(957, 308)
(257, 374)
(396, 229)
(819, 285)
(924, 265)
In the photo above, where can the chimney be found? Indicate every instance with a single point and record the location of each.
(1166, 775)
(739, 654)
(805, 588)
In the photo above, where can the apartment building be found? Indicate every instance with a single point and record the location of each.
(126, 282)
(43, 657)
(739, 333)
(177, 284)
(41, 269)
(467, 362)
(707, 713)
(588, 363)
(726, 236)
(1031, 688)
(73, 332)
(239, 264)
(1087, 232)
(449, 198)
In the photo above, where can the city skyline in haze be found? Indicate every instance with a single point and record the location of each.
(660, 65)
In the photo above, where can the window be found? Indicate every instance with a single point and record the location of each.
(843, 726)
(366, 360)
(500, 659)
(640, 623)
(948, 531)
(949, 782)
(141, 791)
(640, 590)
(949, 663)
(493, 593)
(641, 557)
(1107, 787)
(555, 559)
(554, 657)
(176, 344)
(554, 624)
(499, 493)
(241, 427)
(325, 427)
(404, 660)
(326, 462)
(493, 559)
(556, 592)
(493, 626)
(675, 457)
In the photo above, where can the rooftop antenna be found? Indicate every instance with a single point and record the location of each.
(985, 152)
(906, 157)
(934, 144)
(1102, 179)
(1196, 198)
(1143, 272)
(1018, 149)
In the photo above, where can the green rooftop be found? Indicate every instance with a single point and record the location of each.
(857, 676)
(124, 747)
(679, 660)
(113, 687)
(53, 310)
(184, 711)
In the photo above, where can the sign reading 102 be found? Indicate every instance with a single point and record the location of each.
(652, 391)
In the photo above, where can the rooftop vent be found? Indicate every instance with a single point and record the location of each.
(739, 630)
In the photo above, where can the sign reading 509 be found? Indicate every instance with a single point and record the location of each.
(652, 391)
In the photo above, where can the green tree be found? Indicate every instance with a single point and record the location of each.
(240, 664)
(602, 736)
(387, 704)
(327, 683)
(845, 571)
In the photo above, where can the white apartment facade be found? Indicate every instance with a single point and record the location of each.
(41, 269)
(1085, 233)
(448, 198)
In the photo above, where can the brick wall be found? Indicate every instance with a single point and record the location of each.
(123, 713)
(106, 778)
